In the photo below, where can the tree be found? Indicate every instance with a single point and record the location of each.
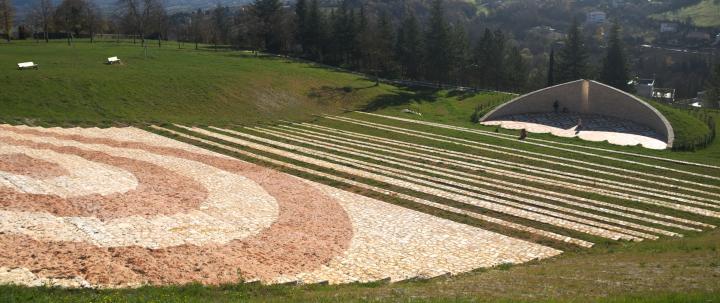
(71, 16)
(483, 57)
(572, 59)
(42, 15)
(517, 74)
(220, 24)
(142, 15)
(93, 19)
(268, 13)
(408, 47)
(712, 96)
(315, 34)
(497, 60)
(551, 69)
(437, 42)
(383, 46)
(364, 38)
(459, 54)
(614, 69)
(197, 26)
(301, 12)
(7, 13)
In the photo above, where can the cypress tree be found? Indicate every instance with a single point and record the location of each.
(712, 96)
(437, 42)
(497, 60)
(384, 45)
(483, 58)
(315, 32)
(408, 49)
(459, 53)
(267, 12)
(516, 69)
(551, 69)
(572, 59)
(343, 35)
(614, 70)
(363, 40)
(301, 12)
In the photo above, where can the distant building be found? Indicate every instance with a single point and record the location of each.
(698, 35)
(547, 32)
(698, 100)
(596, 17)
(617, 3)
(664, 94)
(668, 27)
(644, 87)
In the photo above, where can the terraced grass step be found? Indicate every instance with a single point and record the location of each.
(490, 219)
(574, 148)
(598, 168)
(444, 191)
(611, 193)
(447, 153)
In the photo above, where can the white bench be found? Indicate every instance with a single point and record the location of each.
(26, 65)
(113, 60)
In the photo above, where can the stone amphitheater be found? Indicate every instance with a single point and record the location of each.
(125, 207)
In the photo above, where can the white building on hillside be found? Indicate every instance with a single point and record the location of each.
(596, 17)
(644, 87)
(668, 27)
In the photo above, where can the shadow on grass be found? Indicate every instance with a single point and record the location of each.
(401, 97)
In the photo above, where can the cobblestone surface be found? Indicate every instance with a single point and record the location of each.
(440, 191)
(247, 208)
(446, 155)
(496, 183)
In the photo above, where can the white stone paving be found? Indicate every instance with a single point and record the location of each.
(388, 242)
(445, 192)
(83, 177)
(235, 208)
(388, 192)
(500, 192)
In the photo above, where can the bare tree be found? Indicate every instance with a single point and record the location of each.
(70, 15)
(198, 26)
(93, 19)
(42, 16)
(7, 12)
(142, 14)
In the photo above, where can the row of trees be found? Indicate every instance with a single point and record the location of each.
(434, 50)
(573, 61)
(75, 17)
(430, 48)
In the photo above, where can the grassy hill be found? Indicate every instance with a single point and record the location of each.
(206, 87)
(169, 85)
(705, 14)
(183, 85)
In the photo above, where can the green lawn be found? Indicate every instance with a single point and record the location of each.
(73, 86)
(704, 14)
